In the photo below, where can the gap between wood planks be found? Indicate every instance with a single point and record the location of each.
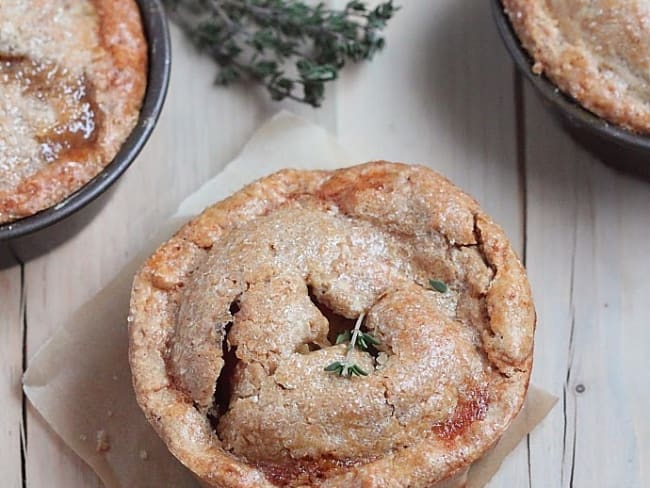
(520, 151)
(569, 440)
(23, 322)
(567, 381)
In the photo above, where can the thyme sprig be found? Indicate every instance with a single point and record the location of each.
(291, 47)
(361, 340)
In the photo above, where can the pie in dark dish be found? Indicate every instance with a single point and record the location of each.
(598, 52)
(72, 76)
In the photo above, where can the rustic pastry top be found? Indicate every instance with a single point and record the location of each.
(234, 320)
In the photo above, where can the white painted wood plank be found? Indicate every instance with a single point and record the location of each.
(442, 94)
(11, 353)
(551, 235)
(635, 306)
(575, 264)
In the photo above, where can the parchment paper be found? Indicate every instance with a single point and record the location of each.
(80, 380)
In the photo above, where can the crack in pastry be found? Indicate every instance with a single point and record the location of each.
(240, 393)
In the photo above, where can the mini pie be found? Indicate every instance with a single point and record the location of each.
(234, 319)
(72, 78)
(597, 51)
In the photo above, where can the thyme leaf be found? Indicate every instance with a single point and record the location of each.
(335, 366)
(345, 370)
(291, 47)
(439, 286)
(344, 336)
(366, 340)
(356, 370)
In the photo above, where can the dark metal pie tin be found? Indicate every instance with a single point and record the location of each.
(159, 55)
(614, 145)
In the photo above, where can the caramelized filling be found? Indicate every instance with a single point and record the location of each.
(224, 386)
(304, 471)
(468, 410)
(70, 97)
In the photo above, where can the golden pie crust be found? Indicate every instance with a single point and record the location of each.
(597, 51)
(233, 321)
(72, 77)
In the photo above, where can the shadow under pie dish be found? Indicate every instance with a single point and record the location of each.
(234, 322)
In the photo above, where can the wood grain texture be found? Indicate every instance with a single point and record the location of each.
(635, 312)
(11, 355)
(576, 263)
(442, 94)
(449, 104)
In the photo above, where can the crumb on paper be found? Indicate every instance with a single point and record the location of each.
(109, 413)
(103, 442)
(115, 378)
(83, 437)
(144, 455)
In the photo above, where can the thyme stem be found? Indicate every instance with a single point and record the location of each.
(353, 341)
(359, 339)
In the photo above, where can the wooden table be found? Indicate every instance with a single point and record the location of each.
(443, 93)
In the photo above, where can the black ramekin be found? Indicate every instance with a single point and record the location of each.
(159, 55)
(614, 145)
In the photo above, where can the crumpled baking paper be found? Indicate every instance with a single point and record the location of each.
(80, 380)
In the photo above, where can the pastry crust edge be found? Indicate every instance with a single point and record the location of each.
(188, 434)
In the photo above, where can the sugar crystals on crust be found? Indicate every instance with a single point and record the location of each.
(234, 319)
